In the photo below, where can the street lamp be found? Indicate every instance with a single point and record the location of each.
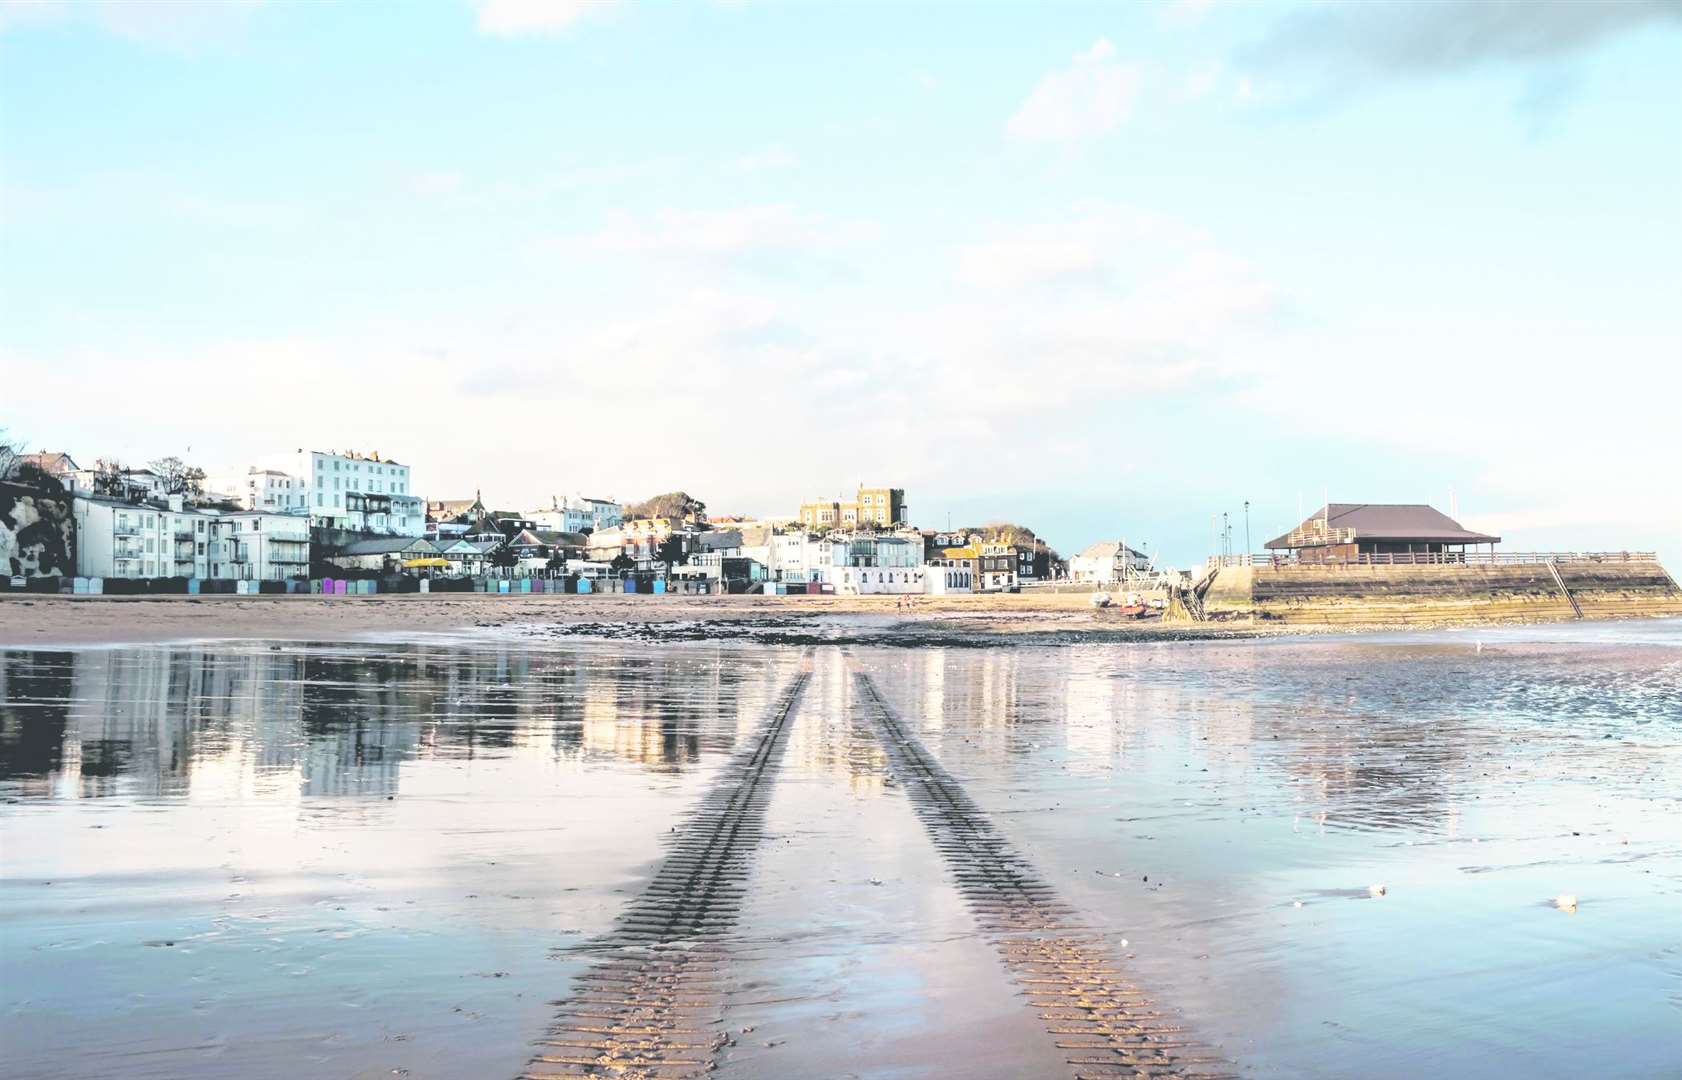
(1246, 526)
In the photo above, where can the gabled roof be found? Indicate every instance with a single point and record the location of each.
(388, 546)
(562, 539)
(52, 462)
(1345, 523)
(1107, 549)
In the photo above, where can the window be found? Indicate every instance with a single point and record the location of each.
(201, 549)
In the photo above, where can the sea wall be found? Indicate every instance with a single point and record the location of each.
(1432, 594)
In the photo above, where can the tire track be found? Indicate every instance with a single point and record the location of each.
(1107, 1025)
(649, 1006)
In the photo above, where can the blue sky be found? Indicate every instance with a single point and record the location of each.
(1102, 269)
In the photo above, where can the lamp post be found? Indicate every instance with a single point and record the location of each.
(1246, 527)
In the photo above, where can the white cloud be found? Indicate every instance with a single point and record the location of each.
(730, 231)
(170, 23)
(1203, 81)
(1088, 99)
(436, 183)
(509, 18)
(766, 159)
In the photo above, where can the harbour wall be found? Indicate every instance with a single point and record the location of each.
(1362, 594)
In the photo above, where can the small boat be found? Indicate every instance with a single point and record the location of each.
(1100, 600)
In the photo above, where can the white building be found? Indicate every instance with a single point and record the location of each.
(257, 545)
(878, 580)
(117, 538)
(361, 492)
(947, 579)
(1103, 563)
(262, 489)
(576, 513)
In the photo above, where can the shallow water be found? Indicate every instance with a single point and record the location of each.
(377, 860)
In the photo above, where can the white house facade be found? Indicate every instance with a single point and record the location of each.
(362, 492)
(263, 489)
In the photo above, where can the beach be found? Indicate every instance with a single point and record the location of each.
(1000, 618)
(430, 850)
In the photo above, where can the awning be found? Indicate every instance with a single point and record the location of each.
(411, 563)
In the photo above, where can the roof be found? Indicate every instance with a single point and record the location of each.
(561, 539)
(1106, 549)
(1344, 523)
(387, 546)
(54, 462)
(720, 540)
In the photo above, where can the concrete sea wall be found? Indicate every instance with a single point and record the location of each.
(1433, 594)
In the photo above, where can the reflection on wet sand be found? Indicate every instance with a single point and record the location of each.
(167, 721)
(1324, 855)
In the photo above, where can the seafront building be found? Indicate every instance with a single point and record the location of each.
(359, 492)
(576, 514)
(169, 538)
(1106, 563)
(262, 489)
(1391, 532)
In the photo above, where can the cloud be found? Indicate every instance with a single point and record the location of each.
(510, 18)
(768, 159)
(1341, 48)
(435, 184)
(722, 232)
(1088, 99)
(170, 23)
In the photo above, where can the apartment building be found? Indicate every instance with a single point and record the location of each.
(361, 492)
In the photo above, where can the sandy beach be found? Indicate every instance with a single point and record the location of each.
(67, 620)
(478, 854)
(955, 621)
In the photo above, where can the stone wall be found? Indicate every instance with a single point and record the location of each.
(1432, 594)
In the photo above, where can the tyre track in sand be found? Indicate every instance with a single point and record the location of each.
(649, 1008)
(1107, 1026)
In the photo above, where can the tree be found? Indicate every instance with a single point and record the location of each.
(503, 557)
(110, 477)
(673, 504)
(10, 451)
(1003, 532)
(178, 477)
(557, 559)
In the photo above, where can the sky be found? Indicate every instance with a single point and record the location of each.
(1104, 270)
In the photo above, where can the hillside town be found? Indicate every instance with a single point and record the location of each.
(354, 520)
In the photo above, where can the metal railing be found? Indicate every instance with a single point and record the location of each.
(1441, 558)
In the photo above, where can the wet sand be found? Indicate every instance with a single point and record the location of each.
(426, 858)
(1048, 618)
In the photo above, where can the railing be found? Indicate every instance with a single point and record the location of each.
(1317, 535)
(1441, 558)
